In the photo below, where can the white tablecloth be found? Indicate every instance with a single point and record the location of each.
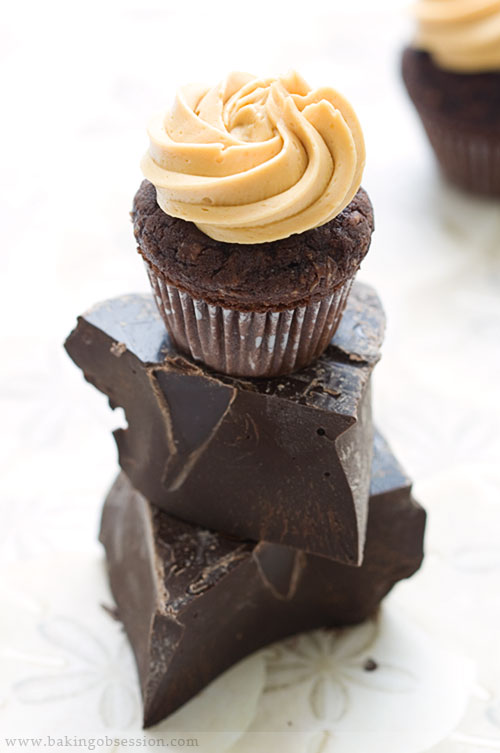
(79, 82)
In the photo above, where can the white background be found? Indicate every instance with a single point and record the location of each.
(79, 81)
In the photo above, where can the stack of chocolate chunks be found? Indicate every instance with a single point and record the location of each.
(246, 510)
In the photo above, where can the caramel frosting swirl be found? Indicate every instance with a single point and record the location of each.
(460, 35)
(254, 160)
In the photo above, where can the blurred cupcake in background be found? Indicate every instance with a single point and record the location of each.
(452, 74)
(251, 220)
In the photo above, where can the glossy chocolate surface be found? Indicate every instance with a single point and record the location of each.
(193, 601)
(283, 460)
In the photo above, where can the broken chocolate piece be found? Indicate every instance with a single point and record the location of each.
(194, 602)
(282, 460)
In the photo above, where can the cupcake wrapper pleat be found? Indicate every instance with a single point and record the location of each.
(248, 344)
(469, 160)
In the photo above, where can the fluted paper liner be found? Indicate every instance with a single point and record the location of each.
(250, 344)
(468, 158)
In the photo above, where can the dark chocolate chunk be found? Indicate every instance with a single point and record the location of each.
(282, 460)
(194, 602)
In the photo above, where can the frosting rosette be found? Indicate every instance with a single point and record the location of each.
(461, 35)
(254, 160)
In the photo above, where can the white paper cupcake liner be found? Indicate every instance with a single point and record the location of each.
(248, 344)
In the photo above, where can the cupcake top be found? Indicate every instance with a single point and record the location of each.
(460, 35)
(255, 160)
(290, 272)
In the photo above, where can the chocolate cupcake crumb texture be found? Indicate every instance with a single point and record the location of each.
(473, 99)
(286, 273)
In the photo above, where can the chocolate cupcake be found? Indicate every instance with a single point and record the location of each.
(452, 74)
(251, 221)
